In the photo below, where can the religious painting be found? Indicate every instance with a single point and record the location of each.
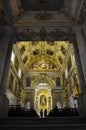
(42, 65)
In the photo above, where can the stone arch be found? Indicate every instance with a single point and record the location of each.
(46, 80)
(78, 60)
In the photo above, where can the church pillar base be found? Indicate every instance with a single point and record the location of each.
(4, 106)
(84, 99)
(82, 105)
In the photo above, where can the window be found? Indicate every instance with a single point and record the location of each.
(69, 65)
(16, 64)
(11, 82)
(36, 52)
(24, 60)
(28, 81)
(12, 57)
(58, 81)
(19, 73)
(66, 73)
(49, 52)
(22, 50)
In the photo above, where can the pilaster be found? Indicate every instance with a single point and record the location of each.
(81, 44)
(80, 56)
(5, 54)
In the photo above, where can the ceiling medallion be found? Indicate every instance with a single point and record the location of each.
(43, 15)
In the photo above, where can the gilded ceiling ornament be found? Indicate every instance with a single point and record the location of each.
(42, 56)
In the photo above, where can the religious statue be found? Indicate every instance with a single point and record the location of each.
(43, 101)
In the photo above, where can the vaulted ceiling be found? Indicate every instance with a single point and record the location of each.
(38, 5)
(44, 61)
(42, 55)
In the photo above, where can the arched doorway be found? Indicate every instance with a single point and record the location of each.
(43, 101)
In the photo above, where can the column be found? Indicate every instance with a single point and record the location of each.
(3, 99)
(66, 94)
(20, 95)
(6, 68)
(84, 29)
(81, 44)
(5, 54)
(4, 40)
(80, 56)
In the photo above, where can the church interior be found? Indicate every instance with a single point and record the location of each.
(43, 75)
(43, 64)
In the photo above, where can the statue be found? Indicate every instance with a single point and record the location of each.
(43, 101)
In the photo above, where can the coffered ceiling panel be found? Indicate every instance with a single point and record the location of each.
(42, 12)
(34, 13)
(42, 4)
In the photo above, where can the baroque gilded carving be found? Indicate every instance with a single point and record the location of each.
(42, 56)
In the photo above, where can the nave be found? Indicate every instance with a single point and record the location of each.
(45, 83)
(18, 111)
(43, 64)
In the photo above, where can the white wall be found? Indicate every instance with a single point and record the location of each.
(11, 97)
(72, 102)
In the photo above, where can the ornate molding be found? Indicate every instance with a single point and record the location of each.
(3, 17)
(43, 15)
(43, 35)
(82, 16)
